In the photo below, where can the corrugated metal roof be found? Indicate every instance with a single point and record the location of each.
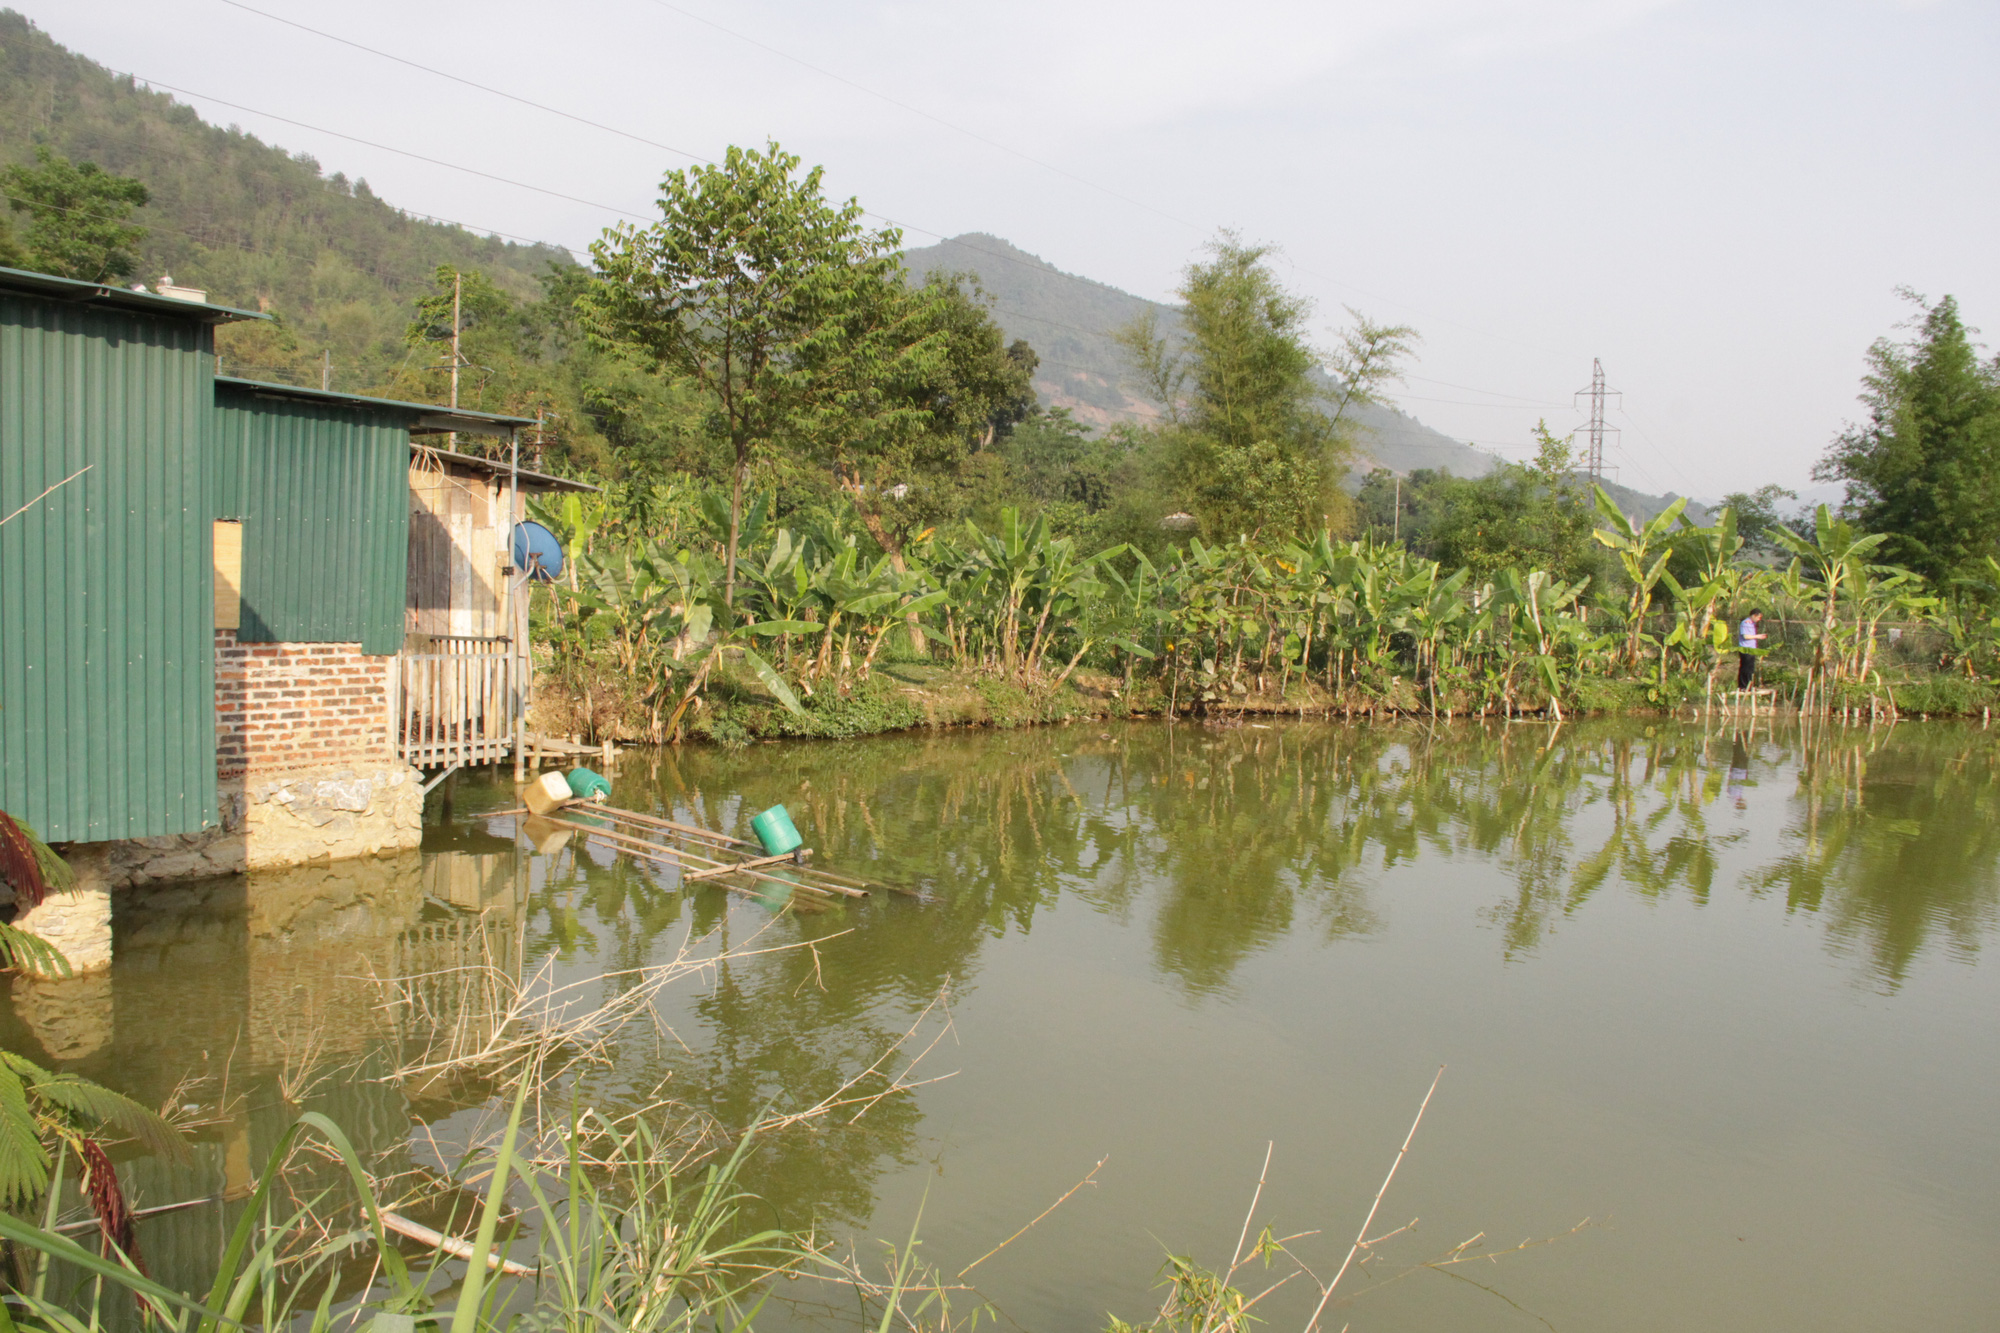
(424, 418)
(51, 288)
(107, 671)
(322, 490)
(529, 481)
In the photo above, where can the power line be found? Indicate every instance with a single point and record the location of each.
(1672, 462)
(382, 147)
(1099, 186)
(637, 138)
(1037, 267)
(554, 111)
(1491, 393)
(482, 87)
(1462, 402)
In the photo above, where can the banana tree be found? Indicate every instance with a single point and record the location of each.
(1643, 549)
(1132, 614)
(850, 596)
(1013, 557)
(1436, 609)
(1064, 583)
(1834, 557)
(1543, 621)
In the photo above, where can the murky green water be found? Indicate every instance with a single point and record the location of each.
(1723, 995)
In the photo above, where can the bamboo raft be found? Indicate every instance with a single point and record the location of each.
(701, 855)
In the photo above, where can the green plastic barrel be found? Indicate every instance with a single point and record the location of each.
(589, 786)
(775, 831)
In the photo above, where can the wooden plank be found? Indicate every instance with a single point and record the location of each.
(228, 574)
(459, 527)
(430, 552)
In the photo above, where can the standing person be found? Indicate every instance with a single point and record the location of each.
(1749, 636)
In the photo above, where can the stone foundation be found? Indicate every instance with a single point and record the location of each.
(77, 923)
(271, 821)
(330, 814)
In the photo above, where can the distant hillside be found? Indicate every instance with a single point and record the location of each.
(252, 224)
(1069, 320)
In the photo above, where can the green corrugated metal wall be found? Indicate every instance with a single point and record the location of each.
(324, 496)
(107, 656)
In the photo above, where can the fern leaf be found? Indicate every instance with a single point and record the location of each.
(92, 1105)
(24, 1162)
(24, 952)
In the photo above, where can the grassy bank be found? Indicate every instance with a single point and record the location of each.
(908, 696)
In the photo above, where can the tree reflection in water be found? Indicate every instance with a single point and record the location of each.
(1214, 845)
(1230, 839)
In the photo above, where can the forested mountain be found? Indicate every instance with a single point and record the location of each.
(252, 224)
(1070, 320)
(343, 271)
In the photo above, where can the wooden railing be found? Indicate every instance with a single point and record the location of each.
(457, 704)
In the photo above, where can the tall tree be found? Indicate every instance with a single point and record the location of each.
(1925, 467)
(964, 387)
(775, 302)
(79, 218)
(1258, 433)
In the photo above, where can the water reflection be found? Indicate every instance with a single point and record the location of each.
(238, 1002)
(1214, 848)
(1893, 841)
(1237, 838)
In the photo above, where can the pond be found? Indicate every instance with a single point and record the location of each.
(1723, 994)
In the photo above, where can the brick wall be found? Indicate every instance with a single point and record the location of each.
(282, 706)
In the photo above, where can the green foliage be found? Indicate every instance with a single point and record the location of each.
(1758, 519)
(790, 316)
(1923, 468)
(1643, 550)
(1252, 446)
(48, 1118)
(620, 1242)
(1018, 608)
(968, 389)
(1831, 576)
(78, 218)
(1536, 515)
(253, 225)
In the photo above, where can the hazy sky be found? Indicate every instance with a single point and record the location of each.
(1718, 200)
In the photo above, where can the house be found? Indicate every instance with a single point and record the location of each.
(217, 651)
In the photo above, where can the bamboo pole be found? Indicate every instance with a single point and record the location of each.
(656, 822)
(452, 1245)
(683, 857)
(842, 885)
(637, 847)
(792, 857)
